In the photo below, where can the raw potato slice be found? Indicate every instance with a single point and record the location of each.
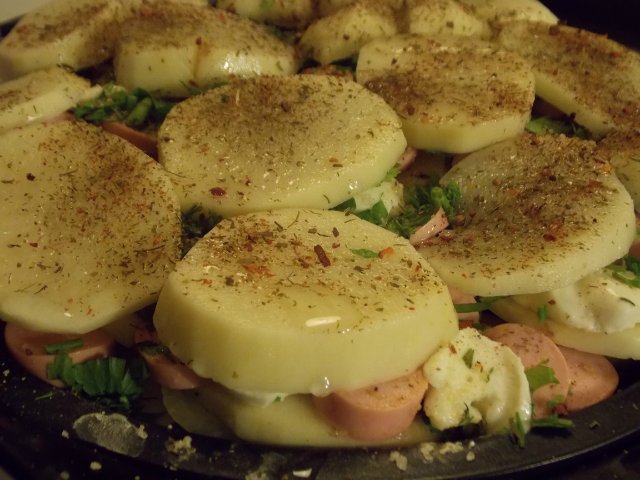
(443, 17)
(540, 212)
(502, 11)
(327, 7)
(91, 227)
(284, 13)
(342, 34)
(581, 73)
(291, 421)
(41, 95)
(180, 47)
(74, 33)
(280, 302)
(276, 142)
(476, 380)
(623, 147)
(623, 344)
(453, 94)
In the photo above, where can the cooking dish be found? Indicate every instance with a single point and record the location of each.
(39, 440)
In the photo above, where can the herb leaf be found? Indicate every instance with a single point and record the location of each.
(540, 375)
(551, 421)
(112, 379)
(468, 357)
(545, 125)
(364, 252)
(64, 346)
(483, 303)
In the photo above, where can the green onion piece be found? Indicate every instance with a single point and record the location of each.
(64, 346)
(518, 430)
(540, 375)
(542, 313)
(551, 421)
(364, 252)
(138, 115)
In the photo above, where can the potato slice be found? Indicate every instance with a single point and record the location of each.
(583, 74)
(181, 47)
(540, 212)
(443, 17)
(288, 301)
(502, 11)
(341, 35)
(292, 141)
(284, 13)
(623, 147)
(91, 227)
(75, 33)
(622, 344)
(41, 95)
(454, 95)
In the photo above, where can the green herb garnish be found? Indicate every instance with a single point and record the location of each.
(546, 125)
(468, 357)
(64, 346)
(542, 312)
(540, 375)
(518, 430)
(364, 252)
(483, 303)
(551, 421)
(113, 380)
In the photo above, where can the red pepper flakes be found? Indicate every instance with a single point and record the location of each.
(452, 348)
(218, 192)
(385, 252)
(258, 269)
(322, 255)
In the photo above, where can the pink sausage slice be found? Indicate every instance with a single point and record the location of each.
(593, 378)
(534, 347)
(145, 142)
(165, 370)
(376, 412)
(27, 347)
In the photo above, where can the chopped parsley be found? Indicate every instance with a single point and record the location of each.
(627, 271)
(468, 357)
(112, 380)
(65, 346)
(483, 303)
(542, 312)
(546, 125)
(540, 375)
(364, 252)
(135, 108)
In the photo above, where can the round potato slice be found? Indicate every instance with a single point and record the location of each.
(583, 74)
(540, 212)
(453, 94)
(179, 47)
(300, 301)
(275, 142)
(90, 227)
(624, 148)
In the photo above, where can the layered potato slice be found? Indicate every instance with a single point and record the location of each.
(74, 33)
(443, 17)
(453, 94)
(340, 35)
(327, 7)
(275, 142)
(502, 11)
(177, 48)
(41, 95)
(284, 13)
(303, 301)
(540, 212)
(90, 227)
(585, 75)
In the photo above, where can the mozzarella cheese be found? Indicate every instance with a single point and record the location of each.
(292, 305)
(540, 212)
(476, 380)
(620, 344)
(453, 94)
(595, 303)
(278, 142)
(90, 227)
